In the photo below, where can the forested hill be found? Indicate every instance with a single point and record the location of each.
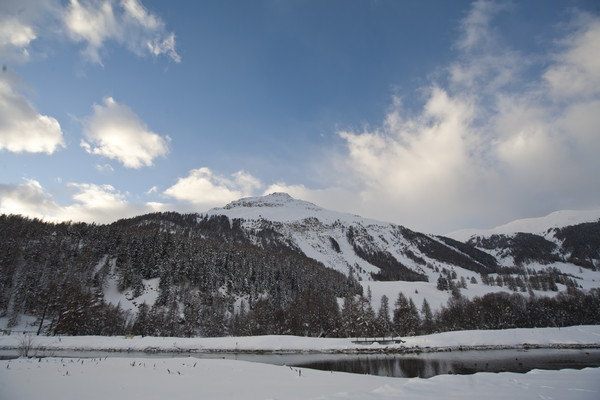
(204, 267)
(277, 265)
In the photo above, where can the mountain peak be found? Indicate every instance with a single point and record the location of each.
(277, 199)
(275, 206)
(281, 207)
(273, 200)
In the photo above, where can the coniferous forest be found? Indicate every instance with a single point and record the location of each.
(214, 281)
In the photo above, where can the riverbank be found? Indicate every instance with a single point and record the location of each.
(587, 336)
(139, 376)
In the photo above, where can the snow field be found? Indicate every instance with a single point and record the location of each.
(189, 378)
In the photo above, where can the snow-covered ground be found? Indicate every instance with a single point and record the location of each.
(542, 337)
(189, 378)
(192, 378)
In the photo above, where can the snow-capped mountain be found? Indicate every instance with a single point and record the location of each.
(568, 236)
(369, 249)
(374, 250)
(538, 226)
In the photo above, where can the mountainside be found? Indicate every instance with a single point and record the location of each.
(365, 248)
(429, 267)
(568, 237)
(275, 264)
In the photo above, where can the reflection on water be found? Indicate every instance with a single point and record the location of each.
(422, 365)
(459, 362)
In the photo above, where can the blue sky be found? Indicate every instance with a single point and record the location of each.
(437, 115)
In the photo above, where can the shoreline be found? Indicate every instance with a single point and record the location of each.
(577, 337)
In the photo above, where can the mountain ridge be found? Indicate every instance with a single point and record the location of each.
(535, 225)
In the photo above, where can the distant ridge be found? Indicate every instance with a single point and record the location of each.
(538, 225)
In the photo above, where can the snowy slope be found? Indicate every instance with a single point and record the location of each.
(539, 225)
(189, 378)
(324, 235)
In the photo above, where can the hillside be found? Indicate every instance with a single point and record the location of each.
(368, 249)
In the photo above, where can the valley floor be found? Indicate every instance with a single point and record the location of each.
(191, 378)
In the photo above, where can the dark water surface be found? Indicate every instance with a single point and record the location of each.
(426, 365)
(423, 365)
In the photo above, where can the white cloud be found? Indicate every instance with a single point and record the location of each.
(94, 23)
(27, 199)
(126, 22)
(475, 26)
(576, 71)
(332, 198)
(107, 168)
(203, 189)
(15, 38)
(21, 23)
(22, 127)
(116, 132)
(486, 64)
(165, 45)
(89, 203)
(137, 12)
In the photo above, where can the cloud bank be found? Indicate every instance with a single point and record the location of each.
(199, 191)
(491, 142)
(91, 203)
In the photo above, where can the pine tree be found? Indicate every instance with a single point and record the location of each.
(141, 324)
(406, 316)
(349, 317)
(427, 323)
(383, 322)
(365, 318)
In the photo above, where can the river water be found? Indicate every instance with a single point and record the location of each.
(423, 365)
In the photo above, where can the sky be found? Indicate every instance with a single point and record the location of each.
(435, 115)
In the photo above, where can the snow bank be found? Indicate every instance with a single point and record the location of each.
(189, 378)
(543, 337)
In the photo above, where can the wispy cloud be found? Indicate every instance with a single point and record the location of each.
(116, 132)
(15, 38)
(126, 22)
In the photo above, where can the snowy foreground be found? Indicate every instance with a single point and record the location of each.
(189, 378)
(192, 378)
